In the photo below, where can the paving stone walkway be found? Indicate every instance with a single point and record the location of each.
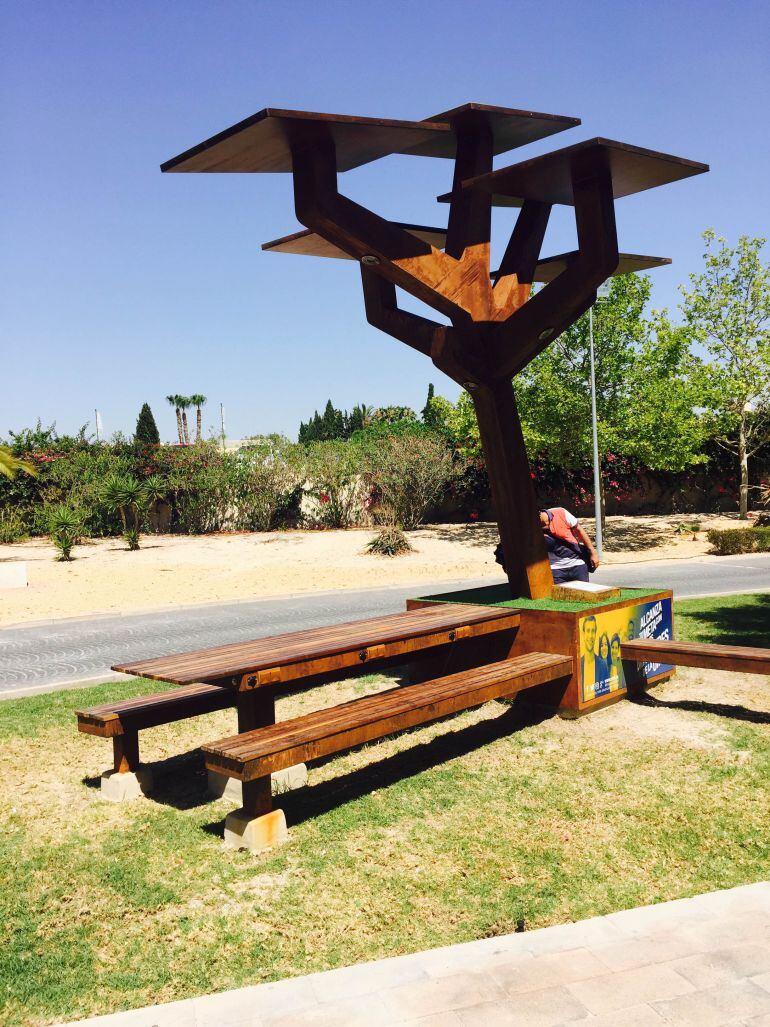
(700, 962)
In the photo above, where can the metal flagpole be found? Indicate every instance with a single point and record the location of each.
(603, 290)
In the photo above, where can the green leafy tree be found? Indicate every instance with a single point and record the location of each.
(408, 473)
(392, 414)
(333, 479)
(645, 395)
(198, 400)
(727, 310)
(146, 428)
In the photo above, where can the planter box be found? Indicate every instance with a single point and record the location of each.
(573, 629)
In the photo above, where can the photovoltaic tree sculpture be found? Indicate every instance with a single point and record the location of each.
(496, 327)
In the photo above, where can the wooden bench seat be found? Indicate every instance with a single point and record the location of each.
(252, 757)
(281, 659)
(122, 721)
(745, 659)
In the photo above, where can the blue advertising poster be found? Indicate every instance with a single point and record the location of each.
(601, 669)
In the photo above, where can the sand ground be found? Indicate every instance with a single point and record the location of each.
(178, 570)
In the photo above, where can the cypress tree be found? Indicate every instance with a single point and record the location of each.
(146, 428)
(426, 410)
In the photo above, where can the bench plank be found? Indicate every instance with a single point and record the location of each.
(258, 753)
(746, 659)
(132, 715)
(299, 654)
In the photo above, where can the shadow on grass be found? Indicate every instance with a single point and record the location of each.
(743, 620)
(694, 706)
(310, 802)
(179, 781)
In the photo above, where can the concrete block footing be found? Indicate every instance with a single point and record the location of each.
(117, 787)
(223, 787)
(256, 834)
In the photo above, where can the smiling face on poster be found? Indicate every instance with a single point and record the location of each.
(601, 669)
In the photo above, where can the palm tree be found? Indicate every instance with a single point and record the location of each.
(173, 400)
(198, 400)
(185, 403)
(10, 465)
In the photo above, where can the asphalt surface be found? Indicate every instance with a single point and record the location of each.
(42, 656)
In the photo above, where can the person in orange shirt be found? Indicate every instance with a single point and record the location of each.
(571, 552)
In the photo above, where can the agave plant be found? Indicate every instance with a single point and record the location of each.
(129, 498)
(65, 528)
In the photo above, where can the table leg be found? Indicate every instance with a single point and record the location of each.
(256, 825)
(256, 708)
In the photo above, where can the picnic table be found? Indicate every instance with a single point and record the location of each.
(249, 676)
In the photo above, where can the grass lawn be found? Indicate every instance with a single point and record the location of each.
(444, 834)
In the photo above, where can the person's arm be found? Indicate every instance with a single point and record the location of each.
(588, 544)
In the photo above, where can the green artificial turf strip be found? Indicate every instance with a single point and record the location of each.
(499, 595)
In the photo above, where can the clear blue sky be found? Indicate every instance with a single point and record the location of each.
(121, 285)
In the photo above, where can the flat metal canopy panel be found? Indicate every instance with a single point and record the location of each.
(552, 267)
(261, 143)
(548, 178)
(511, 128)
(309, 244)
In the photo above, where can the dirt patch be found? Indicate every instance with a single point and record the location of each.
(172, 570)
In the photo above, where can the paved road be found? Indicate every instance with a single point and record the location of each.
(45, 655)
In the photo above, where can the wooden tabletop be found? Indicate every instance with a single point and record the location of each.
(262, 142)
(549, 178)
(240, 658)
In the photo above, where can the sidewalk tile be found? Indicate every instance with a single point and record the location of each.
(437, 995)
(738, 929)
(628, 955)
(564, 937)
(447, 1019)
(544, 1008)
(630, 987)
(547, 971)
(632, 1016)
(726, 1004)
(708, 969)
(369, 1010)
(365, 978)
(228, 1009)
(271, 1001)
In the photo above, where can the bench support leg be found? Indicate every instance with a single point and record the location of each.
(256, 826)
(127, 780)
(220, 786)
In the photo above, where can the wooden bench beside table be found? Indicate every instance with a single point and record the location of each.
(253, 756)
(122, 721)
(708, 655)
